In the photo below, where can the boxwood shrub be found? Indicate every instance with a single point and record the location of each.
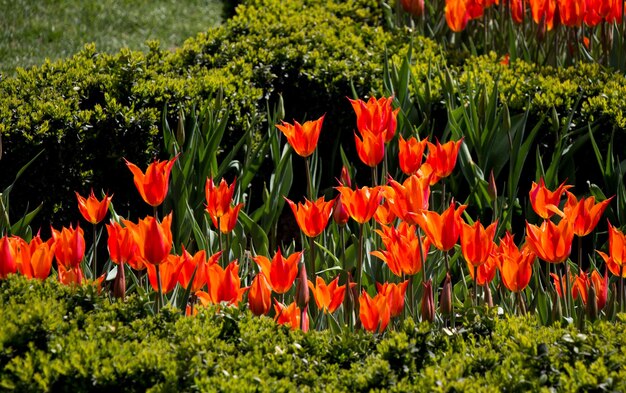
(57, 338)
(89, 111)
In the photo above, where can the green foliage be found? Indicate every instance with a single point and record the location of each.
(72, 339)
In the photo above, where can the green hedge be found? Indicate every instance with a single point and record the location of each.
(91, 110)
(56, 338)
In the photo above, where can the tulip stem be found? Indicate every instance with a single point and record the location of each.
(95, 253)
(621, 288)
(155, 212)
(311, 267)
(475, 285)
(374, 176)
(309, 182)
(566, 290)
(160, 294)
(521, 306)
(359, 269)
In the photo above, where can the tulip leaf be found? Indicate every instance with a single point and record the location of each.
(259, 237)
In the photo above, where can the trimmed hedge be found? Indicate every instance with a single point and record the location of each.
(91, 110)
(56, 338)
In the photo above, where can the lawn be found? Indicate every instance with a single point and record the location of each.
(35, 30)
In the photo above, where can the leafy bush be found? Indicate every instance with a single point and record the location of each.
(71, 339)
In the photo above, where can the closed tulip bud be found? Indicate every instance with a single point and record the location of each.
(445, 301)
(428, 306)
(413, 7)
(592, 303)
(340, 214)
(345, 177)
(493, 189)
(302, 288)
(557, 312)
(119, 285)
(488, 296)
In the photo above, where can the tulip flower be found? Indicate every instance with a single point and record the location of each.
(444, 229)
(154, 239)
(409, 199)
(260, 295)
(616, 259)
(402, 255)
(218, 199)
(370, 147)
(442, 159)
(485, 273)
(518, 8)
(376, 117)
(384, 215)
(361, 203)
(340, 214)
(600, 284)
(584, 214)
(69, 246)
(427, 307)
(413, 7)
(93, 210)
(70, 276)
(224, 285)
(302, 137)
(543, 12)
(374, 313)
(122, 246)
(328, 297)
(411, 154)
(152, 186)
(287, 315)
(394, 293)
(312, 217)
(34, 260)
(515, 265)
(196, 266)
(169, 270)
(281, 272)
(8, 264)
(456, 15)
(572, 12)
(228, 221)
(545, 202)
(477, 242)
(550, 242)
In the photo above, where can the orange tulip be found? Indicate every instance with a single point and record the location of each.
(442, 159)
(312, 217)
(600, 284)
(260, 295)
(374, 312)
(402, 255)
(456, 14)
(71, 275)
(34, 260)
(584, 214)
(518, 9)
(442, 230)
(287, 315)
(224, 285)
(196, 266)
(92, 209)
(515, 265)
(218, 199)
(362, 202)
(411, 154)
(545, 202)
(617, 252)
(543, 13)
(572, 12)
(328, 297)
(281, 272)
(228, 221)
(302, 137)
(550, 242)
(169, 269)
(154, 239)
(8, 264)
(154, 184)
(486, 272)
(69, 246)
(394, 293)
(122, 246)
(384, 215)
(409, 199)
(370, 147)
(376, 117)
(477, 242)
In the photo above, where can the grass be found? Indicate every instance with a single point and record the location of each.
(35, 30)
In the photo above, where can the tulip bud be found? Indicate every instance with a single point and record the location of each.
(428, 306)
(445, 301)
(304, 319)
(340, 213)
(345, 177)
(119, 285)
(302, 289)
(280, 112)
(492, 189)
(592, 303)
(488, 296)
(413, 7)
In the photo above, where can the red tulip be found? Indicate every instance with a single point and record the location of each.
(302, 137)
(260, 295)
(376, 117)
(374, 313)
(69, 246)
(154, 239)
(281, 272)
(545, 202)
(361, 203)
(328, 297)
(394, 293)
(8, 264)
(411, 154)
(584, 214)
(442, 159)
(287, 315)
(169, 269)
(92, 209)
(516, 266)
(409, 199)
(442, 230)
(312, 217)
(370, 147)
(550, 242)
(477, 242)
(218, 199)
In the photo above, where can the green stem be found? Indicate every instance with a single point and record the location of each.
(160, 301)
(155, 213)
(309, 181)
(359, 271)
(95, 254)
(374, 176)
(476, 285)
